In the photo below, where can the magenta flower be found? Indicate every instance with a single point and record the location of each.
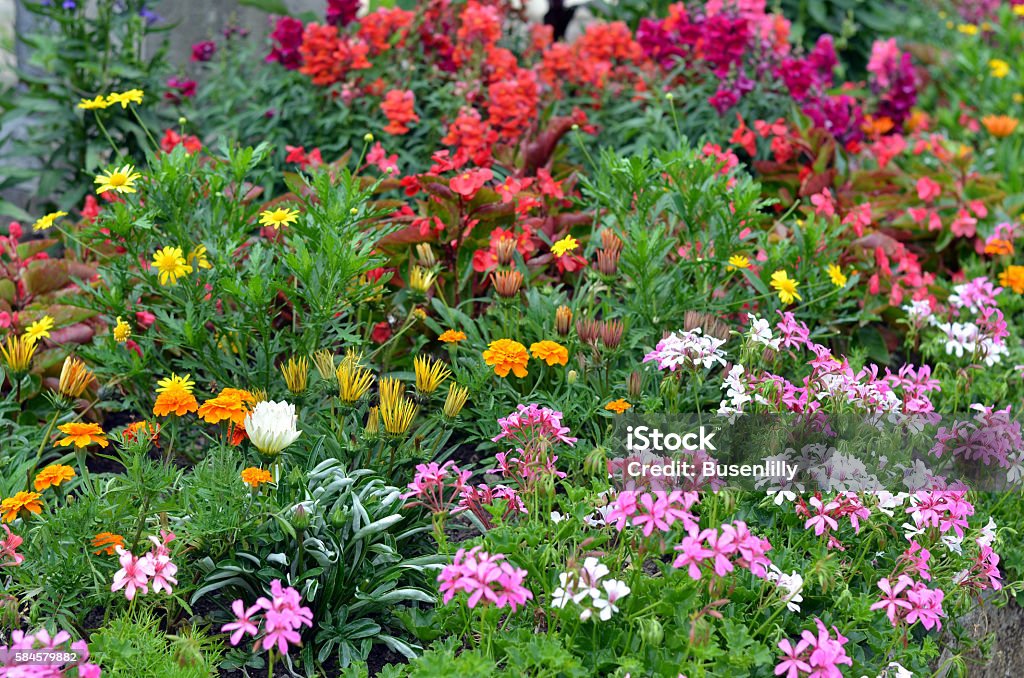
(792, 661)
(243, 623)
(486, 577)
(891, 602)
(8, 549)
(691, 555)
(134, 573)
(531, 426)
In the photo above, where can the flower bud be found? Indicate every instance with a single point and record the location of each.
(296, 375)
(611, 333)
(368, 137)
(634, 385)
(571, 377)
(588, 331)
(425, 255)
(607, 262)
(301, 518)
(74, 378)
(507, 283)
(651, 632)
(323, 360)
(563, 320)
(506, 249)
(596, 461)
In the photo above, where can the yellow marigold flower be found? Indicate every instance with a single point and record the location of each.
(998, 68)
(174, 396)
(967, 29)
(786, 287)
(170, 262)
(618, 406)
(53, 476)
(17, 353)
(254, 477)
(507, 355)
(421, 280)
(429, 374)
(999, 126)
(74, 378)
(353, 381)
(1013, 277)
(22, 503)
(566, 244)
(118, 180)
(455, 401)
(107, 542)
(40, 329)
(98, 102)
(738, 261)
(452, 336)
(82, 435)
(550, 352)
(282, 216)
(122, 331)
(231, 404)
(836, 275)
(197, 257)
(43, 223)
(132, 96)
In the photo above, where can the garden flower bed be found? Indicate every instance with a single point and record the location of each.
(414, 341)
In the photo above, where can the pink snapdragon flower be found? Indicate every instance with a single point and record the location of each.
(487, 578)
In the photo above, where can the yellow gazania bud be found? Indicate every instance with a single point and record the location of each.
(455, 401)
(425, 255)
(74, 378)
(353, 381)
(396, 411)
(429, 374)
(372, 429)
(421, 280)
(17, 353)
(296, 375)
(323, 360)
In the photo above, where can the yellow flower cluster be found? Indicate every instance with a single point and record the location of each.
(99, 102)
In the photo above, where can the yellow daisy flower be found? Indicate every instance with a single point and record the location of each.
(119, 180)
(40, 329)
(170, 261)
(46, 222)
(282, 216)
(566, 244)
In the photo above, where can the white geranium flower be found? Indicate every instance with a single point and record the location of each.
(760, 332)
(614, 590)
(271, 427)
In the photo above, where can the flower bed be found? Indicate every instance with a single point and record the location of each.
(354, 390)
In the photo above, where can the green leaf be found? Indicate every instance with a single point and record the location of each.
(269, 6)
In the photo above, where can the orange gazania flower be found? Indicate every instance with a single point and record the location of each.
(452, 336)
(550, 352)
(22, 501)
(998, 246)
(254, 477)
(507, 355)
(1013, 277)
(999, 126)
(82, 435)
(231, 404)
(174, 396)
(618, 406)
(107, 542)
(53, 476)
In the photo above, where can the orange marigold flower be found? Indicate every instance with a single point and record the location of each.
(27, 502)
(254, 477)
(507, 355)
(137, 428)
(618, 406)
(399, 107)
(1013, 277)
(231, 404)
(999, 126)
(53, 475)
(82, 435)
(107, 542)
(550, 352)
(175, 396)
(998, 246)
(452, 336)
(238, 434)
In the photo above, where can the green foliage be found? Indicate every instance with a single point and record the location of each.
(132, 645)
